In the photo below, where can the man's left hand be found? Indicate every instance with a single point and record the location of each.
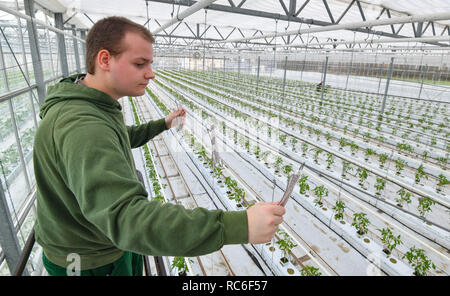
(170, 119)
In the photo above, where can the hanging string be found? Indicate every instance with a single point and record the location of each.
(275, 46)
(204, 42)
(306, 49)
(148, 20)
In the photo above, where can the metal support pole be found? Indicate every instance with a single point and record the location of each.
(50, 47)
(348, 70)
(75, 50)
(61, 45)
(203, 68)
(239, 67)
(379, 81)
(257, 74)
(34, 48)
(284, 74)
(391, 67)
(324, 77)
(8, 237)
(160, 269)
(83, 48)
(424, 72)
(224, 67)
(19, 145)
(27, 72)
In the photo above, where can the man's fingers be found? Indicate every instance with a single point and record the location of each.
(279, 210)
(278, 220)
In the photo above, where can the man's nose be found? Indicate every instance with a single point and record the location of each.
(149, 74)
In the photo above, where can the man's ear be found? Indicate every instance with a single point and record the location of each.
(104, 59)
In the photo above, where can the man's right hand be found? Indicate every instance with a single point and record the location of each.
(263, 221)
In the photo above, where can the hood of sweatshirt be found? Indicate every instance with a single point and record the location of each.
(67, 89)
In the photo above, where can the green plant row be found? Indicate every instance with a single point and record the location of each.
(251, 89)
(360, 222)
(10, 157)
(309, 94)
(424, 203)
(235, 192)
(157, 188)
(343, 141)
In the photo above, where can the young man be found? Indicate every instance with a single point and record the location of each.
(90, 203)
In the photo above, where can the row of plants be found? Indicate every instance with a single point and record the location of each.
(344, 98)
(306, 101)
(10, 157)
(178, 263)
(152, 173)
(285, 243)
(234, 192)
(324, 103)
(309, 100)
(399, 164)
(343, 141)
(321, 191)
(22, 114)
(422, 202)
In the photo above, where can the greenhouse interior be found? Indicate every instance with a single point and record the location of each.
(340, 106)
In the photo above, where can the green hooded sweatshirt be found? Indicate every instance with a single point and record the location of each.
(89, 199)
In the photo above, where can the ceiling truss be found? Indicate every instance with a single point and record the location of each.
(292, 10)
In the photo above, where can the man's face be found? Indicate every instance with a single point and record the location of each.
(131, 71)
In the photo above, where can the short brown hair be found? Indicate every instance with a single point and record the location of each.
(107, 34)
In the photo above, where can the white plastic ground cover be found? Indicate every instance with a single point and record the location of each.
(347, 232)
(432, 232)
(377, 171)
(292, 91)
(439, 197)
(220, 190)
(219, 112)
(167, 259)
(367, 249)
(208, 176)
(411, 161)
(392, 178)
(395, 139)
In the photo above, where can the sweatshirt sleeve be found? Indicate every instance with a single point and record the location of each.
(141, 134)
(114, 201)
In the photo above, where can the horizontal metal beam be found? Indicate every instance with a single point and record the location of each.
(207, 39)
(356, 26)
(196, 6)
(18, 92)
(41, 23)
(233, 9)
(376, 41)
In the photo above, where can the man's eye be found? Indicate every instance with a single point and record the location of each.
(140, 65)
